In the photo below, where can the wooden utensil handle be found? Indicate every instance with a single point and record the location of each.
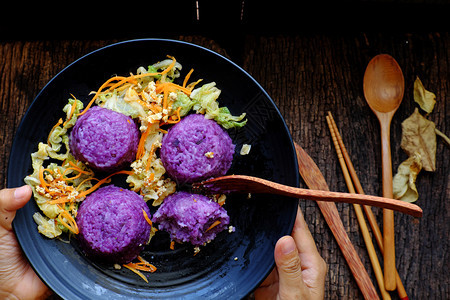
(358, 269)
(314, 180)
(388, 215)
(251, 184)
(401, 206)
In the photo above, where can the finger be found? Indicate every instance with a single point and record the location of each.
(302, 235)
(288, 263)
(10, 201)
(314, 268)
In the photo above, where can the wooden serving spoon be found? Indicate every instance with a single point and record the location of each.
(384, 86)
(249, 184)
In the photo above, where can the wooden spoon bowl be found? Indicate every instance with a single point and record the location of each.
(383, 84)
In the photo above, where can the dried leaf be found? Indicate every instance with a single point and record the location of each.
(424, 98)
(418, 135)
(404, 182)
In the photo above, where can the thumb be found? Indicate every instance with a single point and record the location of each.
(10, 201)
(291, 285)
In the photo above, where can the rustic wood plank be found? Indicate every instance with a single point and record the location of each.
(309, 75)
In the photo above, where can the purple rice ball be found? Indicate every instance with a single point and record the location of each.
(191, 218)
(196, 149)
(104, 139)
(112, 225)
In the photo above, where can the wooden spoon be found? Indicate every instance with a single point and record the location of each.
(249, 184)
(384, 86)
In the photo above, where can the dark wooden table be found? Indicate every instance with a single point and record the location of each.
(307, 75)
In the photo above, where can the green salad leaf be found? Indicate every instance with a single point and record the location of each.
(205, 102)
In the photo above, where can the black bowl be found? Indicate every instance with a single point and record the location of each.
(231, 266)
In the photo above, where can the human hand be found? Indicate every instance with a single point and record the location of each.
(17, 279)
(300, 270)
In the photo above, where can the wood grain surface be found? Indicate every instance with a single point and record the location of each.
(307, 75)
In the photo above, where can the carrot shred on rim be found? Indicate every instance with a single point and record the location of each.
(142, 265)
(131, 268)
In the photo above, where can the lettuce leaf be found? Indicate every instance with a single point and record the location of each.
(205, 102)
(122, 104)
(184, 102)
(227, 120)
(171, 75)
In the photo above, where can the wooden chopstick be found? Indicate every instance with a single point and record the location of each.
(360, 217)
(350, 175)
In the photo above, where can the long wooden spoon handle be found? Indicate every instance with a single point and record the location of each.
(316, 195)
(249, 184)
(388, 215)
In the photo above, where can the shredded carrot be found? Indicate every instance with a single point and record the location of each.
(166, 88)
(143, 103)
(155, 108)
(217, 222)
(78, 168)
(41, 178)
(143, 262)
(165, 97)
(172, 245)
(99, 91)
(170, 87)
(170, 67)
(191, 85)
(151, 177)
(150, 157)
(131, 79)
(141, 146)
(73, 177)
(60, 200)
(72, 225)
(146, 217)
(162, 130)
(74, 167)
(60, 121)
(186, 79)
(136, 271)
(72, 110)
(87, 179)
(177, 117)
(142, 265)
(100, 182)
